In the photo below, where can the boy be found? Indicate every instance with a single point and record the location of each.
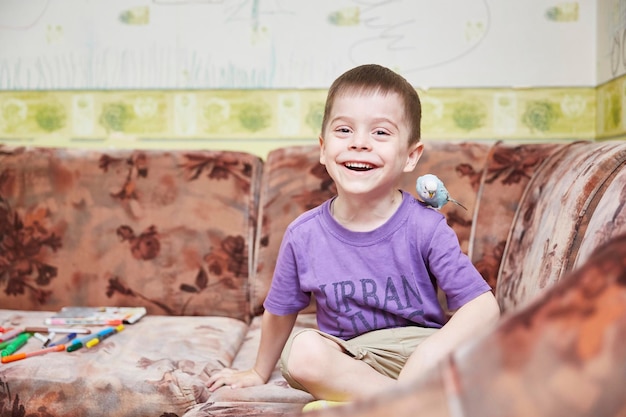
(370, 255)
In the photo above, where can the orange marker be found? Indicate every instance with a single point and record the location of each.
(24, 355)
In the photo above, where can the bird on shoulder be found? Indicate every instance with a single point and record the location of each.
(433, 192)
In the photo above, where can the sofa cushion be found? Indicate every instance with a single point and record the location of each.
(609, 215)
(460, 166)
(170, 231)
(276, 398)
(545, 235)
(508, 169)
(294, 181)
(276, 390)
(157, 366)
(562, 355)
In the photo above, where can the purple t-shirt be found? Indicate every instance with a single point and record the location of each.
(365, 281)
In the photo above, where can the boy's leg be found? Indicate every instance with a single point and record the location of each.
(334, 369)
(321, 367)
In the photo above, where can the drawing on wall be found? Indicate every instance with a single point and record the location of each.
(611, 39)
(618, 39)
(181, 44)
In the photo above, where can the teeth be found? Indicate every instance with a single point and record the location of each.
(358, 165)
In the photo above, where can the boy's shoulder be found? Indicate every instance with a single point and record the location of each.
(305, 218)
(420, 210)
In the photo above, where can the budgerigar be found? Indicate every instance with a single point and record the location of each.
(432, 192)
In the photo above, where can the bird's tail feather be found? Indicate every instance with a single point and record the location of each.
(457, 203)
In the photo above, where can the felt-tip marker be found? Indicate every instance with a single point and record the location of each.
(24, 355)
(104, 334)
(92, 340)
(10, 334)
(64, 340)
(79, 343)
(45, 340)
(15, 344)
(79, 330)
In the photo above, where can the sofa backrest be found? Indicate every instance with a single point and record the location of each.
(575, 200)
(170, 231)
(508, 170)
(197, 232)
(294, 181)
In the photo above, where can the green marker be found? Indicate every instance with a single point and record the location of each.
(15, 344)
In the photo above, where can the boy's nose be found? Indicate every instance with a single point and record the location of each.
(360, 142)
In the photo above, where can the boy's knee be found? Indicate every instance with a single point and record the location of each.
(307, 355)
(303, 346)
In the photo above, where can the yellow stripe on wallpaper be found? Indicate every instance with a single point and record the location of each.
(611, 109)
(258, 120)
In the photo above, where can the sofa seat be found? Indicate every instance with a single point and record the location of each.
(157, 366)
(275, 398)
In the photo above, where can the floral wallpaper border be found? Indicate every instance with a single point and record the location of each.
(260, 120)
(611, 109)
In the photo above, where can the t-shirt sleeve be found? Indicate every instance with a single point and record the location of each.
(455, 274)
(285, 295)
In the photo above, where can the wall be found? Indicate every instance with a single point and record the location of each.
(251, 75)
(611, 64)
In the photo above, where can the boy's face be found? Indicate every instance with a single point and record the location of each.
(365, 144)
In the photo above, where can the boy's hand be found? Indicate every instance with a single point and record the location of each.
(234, 379)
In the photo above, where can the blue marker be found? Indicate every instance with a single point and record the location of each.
(63, 340)
(82, 342)
(103, 336)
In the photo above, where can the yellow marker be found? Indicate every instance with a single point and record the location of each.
(92, 342)
(110, 331)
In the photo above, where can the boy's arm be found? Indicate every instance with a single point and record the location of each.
(471, 318)
(275, 331)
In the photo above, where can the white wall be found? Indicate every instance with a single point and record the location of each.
(119, 44)
(611, 39)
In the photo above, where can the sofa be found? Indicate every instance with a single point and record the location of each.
(192, 236)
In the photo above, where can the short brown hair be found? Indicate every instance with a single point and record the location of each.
(372, 78)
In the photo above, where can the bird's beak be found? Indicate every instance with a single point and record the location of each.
(431, 194)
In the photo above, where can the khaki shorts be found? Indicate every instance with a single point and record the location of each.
(384, 350)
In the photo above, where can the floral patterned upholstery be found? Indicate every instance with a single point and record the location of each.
(193, 236)
(170, 231)
(560, 200)
(508, 170)
(293, 181)
(609, 215)
(155, 367)
(460, 166)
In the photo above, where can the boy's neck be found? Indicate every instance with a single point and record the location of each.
(365, 214)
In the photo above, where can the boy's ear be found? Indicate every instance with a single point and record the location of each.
(322, 157)
(415, 153)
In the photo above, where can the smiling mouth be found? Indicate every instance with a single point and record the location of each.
(358, 166)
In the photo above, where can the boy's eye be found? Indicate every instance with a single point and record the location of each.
(343, 130)
(380, 132)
